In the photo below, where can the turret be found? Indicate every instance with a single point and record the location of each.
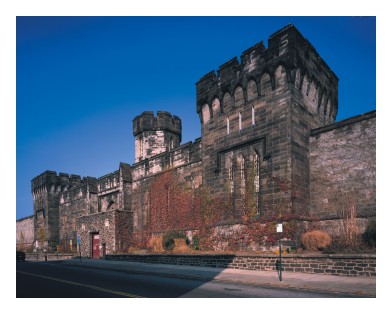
(46, 189)
(155, 135)
(261, 68)
(262, 106)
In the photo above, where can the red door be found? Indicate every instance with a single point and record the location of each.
(96, 244)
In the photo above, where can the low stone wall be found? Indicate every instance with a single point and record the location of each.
(48, 257)
(363, 265)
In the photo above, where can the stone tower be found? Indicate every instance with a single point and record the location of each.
(46, 189)
(256, 116)
(155, 135)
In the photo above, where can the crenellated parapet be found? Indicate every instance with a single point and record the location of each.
(290, 61)
(80, 189)
(155, 134)
(163, 121)
(51, 182)
(181, 156)
(109, 181)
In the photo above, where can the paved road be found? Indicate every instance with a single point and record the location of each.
(52, 279)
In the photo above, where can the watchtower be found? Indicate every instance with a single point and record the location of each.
(155, 134)
(46, 189)
(258, 112)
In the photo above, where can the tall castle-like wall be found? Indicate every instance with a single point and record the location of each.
(265, 127)
(262, 110)
(47, 188)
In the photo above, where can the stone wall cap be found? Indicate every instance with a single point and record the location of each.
(345, 122)
(25, 218)
(253, 255)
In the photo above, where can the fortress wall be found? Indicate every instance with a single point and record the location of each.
(343, 168)
(25, 232)
(253, 107)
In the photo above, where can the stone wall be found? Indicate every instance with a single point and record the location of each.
(76, 201)
(184, 160)
(264, 118)
(47, 189)
(343, 169)
(250, 110)
(42, 256)
(25, 233)
(114, 228)
(155, 135)
(338, 265)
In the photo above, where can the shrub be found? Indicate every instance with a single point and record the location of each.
(168, 239)
(155, 244)
(369, 236)
(316, 240)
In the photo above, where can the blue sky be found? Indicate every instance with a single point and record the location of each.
(81, 80)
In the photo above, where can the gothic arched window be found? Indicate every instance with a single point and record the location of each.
(256, 172)
(231, 177)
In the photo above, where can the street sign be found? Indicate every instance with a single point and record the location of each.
(279, 228)
(78, 239)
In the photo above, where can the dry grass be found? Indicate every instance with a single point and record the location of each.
(155, 244)
(316, 240)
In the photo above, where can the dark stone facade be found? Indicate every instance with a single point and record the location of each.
(264, 108)
(343, 170)
(273, 112)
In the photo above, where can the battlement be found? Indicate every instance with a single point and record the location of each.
(49, 178)
(288, 50)
(164, 121)
(108, 181)
(155, 134)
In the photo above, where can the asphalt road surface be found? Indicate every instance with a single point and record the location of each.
(56, 280)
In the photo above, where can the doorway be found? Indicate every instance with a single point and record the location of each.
(96, 252)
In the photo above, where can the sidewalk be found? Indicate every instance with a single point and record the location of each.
(356, 286)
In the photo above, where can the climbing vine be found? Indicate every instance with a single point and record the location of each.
(212, 218)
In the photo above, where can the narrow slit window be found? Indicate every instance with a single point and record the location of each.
(240, 121)
(256, 169)
(242, 177)
(253, 116)
(231, 177)
(228, 125)
(141, 148)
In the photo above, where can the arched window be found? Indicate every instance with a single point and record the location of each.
(256, 170)
(231, 177)
(216, 107)
(206, 113)
(256, 183)
(171, 143)
(242, 176)
(141, 147)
